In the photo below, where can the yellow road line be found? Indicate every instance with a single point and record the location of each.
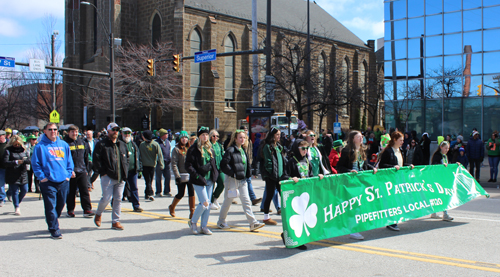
(350, 247)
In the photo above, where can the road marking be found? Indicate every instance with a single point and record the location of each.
(491, 267)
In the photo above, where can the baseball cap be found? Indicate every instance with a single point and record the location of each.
(475, 133)
(111, 126)
(2, 132)
(126, 129)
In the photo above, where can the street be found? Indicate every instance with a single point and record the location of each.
(153, 243)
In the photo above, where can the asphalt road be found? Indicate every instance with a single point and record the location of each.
(153, 243)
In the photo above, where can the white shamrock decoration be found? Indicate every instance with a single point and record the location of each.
(305, 217)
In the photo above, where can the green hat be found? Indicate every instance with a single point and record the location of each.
(384, 140)
(337, 143)
(193, 134)
(31, 137)
(440, 139)
(183, 134)
(22, 137)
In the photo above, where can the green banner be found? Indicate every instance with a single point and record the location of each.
(341, 204)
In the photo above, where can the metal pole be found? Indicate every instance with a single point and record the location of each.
(268, 45)
(53, 73)
(255, 58)
(111, 61)
(308, 70)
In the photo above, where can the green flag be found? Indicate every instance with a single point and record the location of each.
(314, 209)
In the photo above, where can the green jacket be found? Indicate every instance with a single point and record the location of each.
(493, 147)
(151, 154)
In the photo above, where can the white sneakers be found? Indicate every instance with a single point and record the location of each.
(446, 217)
(194, 227)
(206, 231)
(223, 226)
(435, 216)
(356, 236)
(215, 205)
(18, 211)
(256, 225)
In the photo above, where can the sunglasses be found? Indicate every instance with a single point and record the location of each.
(202, 128)
(312, 135)
(240, 131)
(53, 130)
(127, 133)
(215, 136)
(304, 148)
(116, 129)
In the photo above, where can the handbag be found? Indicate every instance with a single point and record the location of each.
(232, 189)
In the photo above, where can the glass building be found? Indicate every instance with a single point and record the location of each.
(442, 66)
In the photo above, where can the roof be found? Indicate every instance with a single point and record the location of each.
(287, 14)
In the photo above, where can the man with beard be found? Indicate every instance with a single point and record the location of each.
(134, 170)
(111, 162)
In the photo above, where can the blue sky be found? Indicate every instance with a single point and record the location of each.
(21, 21)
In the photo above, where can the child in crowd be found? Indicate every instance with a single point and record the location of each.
(440, 157)
(462, 158)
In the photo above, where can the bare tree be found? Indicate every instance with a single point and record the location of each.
(447, 84)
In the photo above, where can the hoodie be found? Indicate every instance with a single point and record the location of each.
(52, 160)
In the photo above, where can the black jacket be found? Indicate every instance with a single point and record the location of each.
(165, 149)
(344, 165)
(232, 164)
(104, 158)
(418, 156)
(80, 151)
(197, 171)
(16, 173)
(389, 159)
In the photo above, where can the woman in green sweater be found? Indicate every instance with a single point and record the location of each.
(219, 153)
(493, 155)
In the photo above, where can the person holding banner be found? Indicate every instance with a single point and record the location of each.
(273, 169)
(440, 157)
(318, 153)
(391, 157)
(236, 165)
(353, 159)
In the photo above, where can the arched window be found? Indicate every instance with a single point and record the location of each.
(229, 73)
(195, 74)
(362, 77)
(156, 34)
(344, 84)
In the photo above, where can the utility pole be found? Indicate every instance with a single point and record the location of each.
(268, 47)
(54, 101)
(112, 60)
(308, 71)
(255, 58)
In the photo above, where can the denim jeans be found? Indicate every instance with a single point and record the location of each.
(204, 195)
(251, 194)
(246, 203)
(111, 188)
(54, 198)
(17, 197)
(276, 202)
(2, 185)
(165, 172)
(133, 195)
(494, 166)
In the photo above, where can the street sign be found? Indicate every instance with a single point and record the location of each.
(336, 128)
(205, 56)
(54, 117)
(270, 85)
(259, 111)
(37, 65)
(7, 62)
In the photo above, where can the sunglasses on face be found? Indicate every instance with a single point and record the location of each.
(53, 130)
(215, 136)
(116, 129)
(312, 135)
(304, 148)
(127, 133)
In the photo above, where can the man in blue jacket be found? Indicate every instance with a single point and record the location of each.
(475, 153)
(53, 165)
(165, 171)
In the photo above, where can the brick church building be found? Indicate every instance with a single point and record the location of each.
(222, 88)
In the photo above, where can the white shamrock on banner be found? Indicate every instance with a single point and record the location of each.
(305, 217)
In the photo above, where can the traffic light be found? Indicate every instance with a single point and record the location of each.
(177, 62)
(151, 67)
(479, 88)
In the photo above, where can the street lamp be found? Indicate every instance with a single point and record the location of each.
(111, 42)
(54, 104)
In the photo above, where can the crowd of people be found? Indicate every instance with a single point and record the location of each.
(66, 166)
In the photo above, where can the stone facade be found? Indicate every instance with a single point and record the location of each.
(133, 23)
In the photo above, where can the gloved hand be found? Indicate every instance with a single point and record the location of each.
(139, 175)
(177, 180)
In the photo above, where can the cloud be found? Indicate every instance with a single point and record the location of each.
(33, 9)
(10, 28)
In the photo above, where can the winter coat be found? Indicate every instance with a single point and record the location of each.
(425, 144)
(137, 155)
(334, 158)
(105, 159)
(345, 165)
(415, 156)
(475, 149)
(292, 166)
(463, 160)
(232, 164)
(269, 164)
(178, 162)
(151, 154)
(197, 169)
(80, 151)
(165, 150)
(16, 173)
(389, 159)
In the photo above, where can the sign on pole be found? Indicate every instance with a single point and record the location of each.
(37, 65)
(270, 85)
(336, 128)
(54, 117)
(205, 56)
(7, 62)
